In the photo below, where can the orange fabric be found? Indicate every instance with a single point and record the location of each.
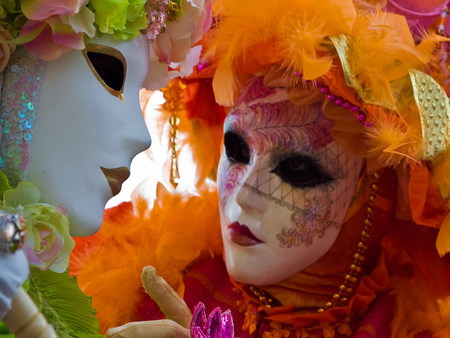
(399, 257)
(396, 270)
(427, 206)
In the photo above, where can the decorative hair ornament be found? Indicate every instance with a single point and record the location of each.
(49, 28)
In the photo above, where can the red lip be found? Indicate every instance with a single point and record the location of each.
(241, 235)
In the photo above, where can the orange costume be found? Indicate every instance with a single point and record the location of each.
(386, 92)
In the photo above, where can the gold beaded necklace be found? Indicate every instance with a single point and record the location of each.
(347, 288)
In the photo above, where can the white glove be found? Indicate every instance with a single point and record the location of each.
(13, 272)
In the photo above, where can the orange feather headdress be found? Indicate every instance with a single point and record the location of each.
(388, 96)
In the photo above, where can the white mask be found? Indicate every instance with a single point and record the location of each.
(80, 127)
(284, 185)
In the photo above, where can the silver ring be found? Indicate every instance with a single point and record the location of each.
(12, 232)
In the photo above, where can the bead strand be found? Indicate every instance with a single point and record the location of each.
(158, 13)
(264, 297)
(442, 20)
(347, 288)
(340, 101)
(173, 95)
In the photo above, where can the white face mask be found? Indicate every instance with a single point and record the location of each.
(284, 185)
(81, 127)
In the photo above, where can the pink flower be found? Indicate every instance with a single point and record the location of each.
(55, 27)
(174, 47)
(174, 44)
(43, 9)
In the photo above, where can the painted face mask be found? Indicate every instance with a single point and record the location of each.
(284, 184)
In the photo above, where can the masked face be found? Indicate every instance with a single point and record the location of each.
(284, 186)
(83, 125)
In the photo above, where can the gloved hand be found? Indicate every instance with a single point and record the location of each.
(173, 306)
(17, 310)
(13, 272)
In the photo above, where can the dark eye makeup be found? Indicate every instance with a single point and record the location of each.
(236, 148)
(298, 170)
(302, 171)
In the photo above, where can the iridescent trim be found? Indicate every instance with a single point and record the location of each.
(218, 323)
(20, 92)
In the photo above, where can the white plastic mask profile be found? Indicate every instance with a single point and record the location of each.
(82, 126)
(284, 184)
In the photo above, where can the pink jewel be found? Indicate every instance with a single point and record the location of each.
(324, 90)
(347, 105)
(361, 117)
(339, 101)
(202, 65)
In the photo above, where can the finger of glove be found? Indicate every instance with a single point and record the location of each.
(163, 328)
(170, 303)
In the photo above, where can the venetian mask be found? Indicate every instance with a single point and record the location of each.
(284, 184)
(88, 117)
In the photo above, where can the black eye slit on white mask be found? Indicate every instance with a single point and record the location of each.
(109, 67)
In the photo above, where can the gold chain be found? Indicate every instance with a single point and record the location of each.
(173, 94)
(347, 288)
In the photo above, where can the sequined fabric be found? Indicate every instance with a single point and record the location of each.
(434, 109)
(218, 324)
(19, 97)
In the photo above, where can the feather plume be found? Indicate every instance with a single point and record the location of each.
(298, 28)
(224, 84)
(383, 51)
(390, 141)
(417, 311)
(108, 265)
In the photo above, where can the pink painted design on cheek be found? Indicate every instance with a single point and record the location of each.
(232, 177)
(308, 223)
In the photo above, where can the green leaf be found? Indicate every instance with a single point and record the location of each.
(4, 331)
(64, 305)
(4, 183)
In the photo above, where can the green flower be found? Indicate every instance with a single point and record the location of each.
(47, 240)
(11, 16)
(122, 18)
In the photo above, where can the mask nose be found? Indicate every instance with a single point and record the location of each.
(139, 138)
(249, 198)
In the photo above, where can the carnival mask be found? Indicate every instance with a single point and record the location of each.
(89, 118)
(284, 184)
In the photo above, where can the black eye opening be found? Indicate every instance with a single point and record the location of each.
(109, 67)
(302, 171)
(236, 148)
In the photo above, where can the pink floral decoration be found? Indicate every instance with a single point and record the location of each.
(55, 27)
